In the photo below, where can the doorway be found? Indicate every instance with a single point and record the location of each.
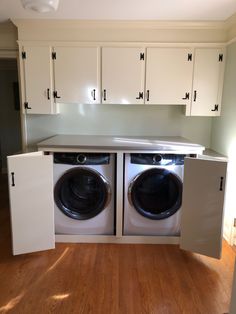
(10, 120)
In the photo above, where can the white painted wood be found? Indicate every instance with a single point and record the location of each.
(31, 202)
(38, 79)
(233, 295)
(169, 76)
(122, 75)
(207, 82)
(119, 192)
(202, 207)
(77, 74)
(68, 238)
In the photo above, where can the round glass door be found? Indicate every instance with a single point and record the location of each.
(82, 193)
(156, 193)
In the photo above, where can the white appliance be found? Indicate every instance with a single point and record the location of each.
(84, 193)
(153, 194)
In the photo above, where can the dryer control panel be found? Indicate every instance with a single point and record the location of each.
(158, 159)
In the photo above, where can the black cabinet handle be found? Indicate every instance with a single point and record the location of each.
(12, 179)
(48, 93)
(94, 94)
(148, 95)
(104, 95)
(194, 95)
(55, 95)
(216, 108)
(221, 183)
(186, 96)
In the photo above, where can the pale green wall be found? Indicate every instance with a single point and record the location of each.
(224, 127)
(120, 120)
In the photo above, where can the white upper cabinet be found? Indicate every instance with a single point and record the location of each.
(37, 85)
(202, 206)
(123, 75)
(77, 75)
(169, 76)
(30, 178)
(207, 82)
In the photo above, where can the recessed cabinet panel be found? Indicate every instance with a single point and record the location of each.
(123, 75)
(77, 75)
(169, 76)
(38, 80)
(207, 82)
(202, 207)
(30, 179)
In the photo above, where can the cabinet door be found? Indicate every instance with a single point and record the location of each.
(122, 75)
(77, 74)
(30, 179)
(169, 76)
(202, 206)
(233, 295)
(207, 82)
(38, 91)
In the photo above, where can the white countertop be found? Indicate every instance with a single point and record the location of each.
(120, 143)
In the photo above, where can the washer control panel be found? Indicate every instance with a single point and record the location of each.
(82, 158)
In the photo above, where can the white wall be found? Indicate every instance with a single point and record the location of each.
(224, 135)
(119, 120)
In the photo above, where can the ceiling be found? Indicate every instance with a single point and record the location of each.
(126, 10)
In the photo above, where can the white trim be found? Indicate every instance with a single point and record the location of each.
(8, 53)
(114, 239)
(100, 44)
(120, 24)
(231, 41)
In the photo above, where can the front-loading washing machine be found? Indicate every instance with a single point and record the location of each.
(153, 194)
(84, 193)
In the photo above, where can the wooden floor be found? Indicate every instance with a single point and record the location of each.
(107, 279)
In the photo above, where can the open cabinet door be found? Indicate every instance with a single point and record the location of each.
(202, 206)
(233, 294)
(30, 178)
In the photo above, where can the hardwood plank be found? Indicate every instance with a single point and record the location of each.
(111, 278)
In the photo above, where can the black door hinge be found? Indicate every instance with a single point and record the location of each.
(54, 55)
(23, 54)
(216, 108)
(186, 96)
(26, 105)
(190, 56)
(140, 96)
(141, 56)
(221, 57)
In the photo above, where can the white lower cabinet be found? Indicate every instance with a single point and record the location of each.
(30, 178)
(32, 204)
(233, 294)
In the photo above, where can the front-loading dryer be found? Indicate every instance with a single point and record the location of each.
(153, 194)
(84, 193)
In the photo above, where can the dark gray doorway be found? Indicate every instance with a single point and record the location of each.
(10, 125)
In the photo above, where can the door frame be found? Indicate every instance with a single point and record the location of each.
(14, 54)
